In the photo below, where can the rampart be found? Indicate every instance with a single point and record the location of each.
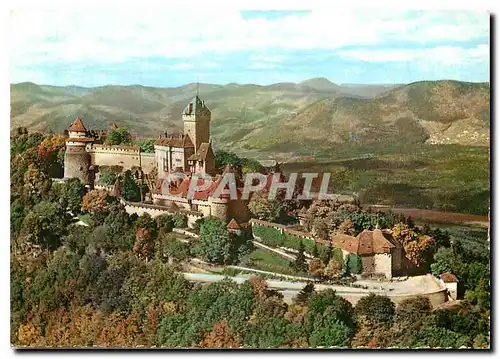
(155, 210)
(125, 156)
(285, 229)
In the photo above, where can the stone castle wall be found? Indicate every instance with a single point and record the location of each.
(155, 211)
(102, 155)
(76, 164)
(148, 162)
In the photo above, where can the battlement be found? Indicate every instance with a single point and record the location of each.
(115, 149)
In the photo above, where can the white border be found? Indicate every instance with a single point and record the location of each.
(212, 5)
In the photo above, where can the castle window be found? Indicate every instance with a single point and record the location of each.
(190, 108)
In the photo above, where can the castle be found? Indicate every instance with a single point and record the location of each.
(188, 153)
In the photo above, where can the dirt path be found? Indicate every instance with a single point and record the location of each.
(435, 216)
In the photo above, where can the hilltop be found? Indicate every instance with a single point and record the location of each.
(305, 118)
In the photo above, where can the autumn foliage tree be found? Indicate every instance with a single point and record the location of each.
(144, 246)
(221, 336)
(419, 248)
(51, 154)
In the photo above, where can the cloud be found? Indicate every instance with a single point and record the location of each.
(114, 36)
(182, 66)
(155, 41)
(446, 55)
(262, 65)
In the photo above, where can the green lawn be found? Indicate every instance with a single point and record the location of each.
(267, 261)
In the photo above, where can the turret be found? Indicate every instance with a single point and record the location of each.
(76, 158)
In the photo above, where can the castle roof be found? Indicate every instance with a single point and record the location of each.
(366, 243)
(77, 126)
(178, 141)
(201, 154)
(183, 188)
(194, 106)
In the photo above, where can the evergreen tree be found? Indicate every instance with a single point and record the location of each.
(315, 252)
(130, 189)
(304, 294)
(326, 256)
(299, 264)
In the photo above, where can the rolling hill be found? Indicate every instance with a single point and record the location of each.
(308, 118)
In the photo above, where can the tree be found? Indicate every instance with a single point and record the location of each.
(300, 264)
(223, 158)
(51, 154)
(147, 222)
(443, 261)
(221, 336)
(347, 227)
(165, 224)
(333, 269)
(97, 203)
(264, 208)
(107, 178)
(147, 145)
(272, 333)
(252, 166)
(179, 220)
(173, 248)
(419, 248)
(329, 320)
(315, 252)
(129, 188)
(375, 309)
(144, 246)
(325, 256)
(304, 294)
(215, 244)
(410, 313)
(17, 214)
(118, 137)
(316, 267)
(72, 193)
(44, 225)
(353, 264)
(36, 184)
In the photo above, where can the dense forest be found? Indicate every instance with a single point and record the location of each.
(117, 282)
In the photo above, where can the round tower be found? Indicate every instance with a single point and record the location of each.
(76, 159)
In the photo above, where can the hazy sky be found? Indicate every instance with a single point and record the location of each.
(159, 47)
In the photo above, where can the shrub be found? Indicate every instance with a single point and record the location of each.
(180, 220)
(353, 264)
(165, 223)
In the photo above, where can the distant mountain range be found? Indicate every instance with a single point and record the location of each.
(315, 114)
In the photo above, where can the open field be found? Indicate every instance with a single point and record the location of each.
(439, 177)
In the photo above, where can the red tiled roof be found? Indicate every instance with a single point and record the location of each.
(77, 126)
(367, 242)
(183, 188)
(448, 278)
(347, 243)
(201, 154)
